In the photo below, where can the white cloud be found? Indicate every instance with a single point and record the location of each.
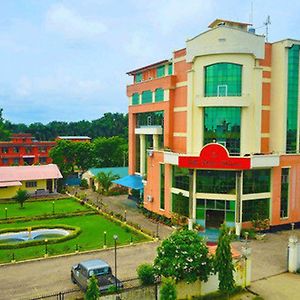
(72, 25)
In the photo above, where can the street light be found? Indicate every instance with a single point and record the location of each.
(46, 248)
(5, 212)
(53, 208)
(115, 238)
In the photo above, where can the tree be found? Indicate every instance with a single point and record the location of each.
(146, 274)
(21, 196)
(168, 289)
(92, 292)
(183, 256)
(223, 261)
(4, 133)
(84, 157)
(105, 180)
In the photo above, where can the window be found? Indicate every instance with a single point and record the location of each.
(16, 161)
(16, 149)
(180, 178)
(159, 95)
(223, 79)
(180, 204)
(162, 187)
(28, 150)
(147, 97)
(217, 182)
(256, 181)
(30, 184)
(5, 161)
(42, 160)
(156, 119)
(135, 99)
(160, 71)
(284, 197)
(223, 125)
(42, 149)
(4, 150)
(170, 69)
(138, 77)
(256, 209)
(292, 99)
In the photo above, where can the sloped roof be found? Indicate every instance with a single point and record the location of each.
(120, 171)
(19, 173)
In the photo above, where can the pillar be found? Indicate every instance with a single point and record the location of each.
(238, 203)
(191, 197)
(293, 254)
(142, 154)
(155, 141)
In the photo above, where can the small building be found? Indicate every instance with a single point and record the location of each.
(23, 149)
(85, 139)
(37, 180)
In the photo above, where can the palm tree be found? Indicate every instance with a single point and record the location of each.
(105, 180)
(21, 196)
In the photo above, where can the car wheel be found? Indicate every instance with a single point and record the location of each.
(73, 279)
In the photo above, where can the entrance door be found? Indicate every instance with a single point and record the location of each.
(49, 185)
(214, 218)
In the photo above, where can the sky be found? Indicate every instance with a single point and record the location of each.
(67, 60)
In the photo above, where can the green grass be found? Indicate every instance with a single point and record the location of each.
(40, 208)
(91, 237)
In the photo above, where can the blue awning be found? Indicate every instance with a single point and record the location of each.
(131, 181)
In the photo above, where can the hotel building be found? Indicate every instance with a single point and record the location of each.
(220, 118)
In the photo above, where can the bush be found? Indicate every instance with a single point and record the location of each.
(168, 289)
(146, 274)
(84, 183)
(92, 292)
(118, 190)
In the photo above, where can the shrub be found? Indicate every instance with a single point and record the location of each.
(168, 289)
(84, 183)
(146, 274)
(92, 292)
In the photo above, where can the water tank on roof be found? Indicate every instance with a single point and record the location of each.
(251, 30)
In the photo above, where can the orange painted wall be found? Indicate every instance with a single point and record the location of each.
(268, 56)
(264, 145)
(180, 121)
(180, 96)
(179, 144)
(180, 53)
(180, 70)
(292, 161)
(265, 121)
(266, 93)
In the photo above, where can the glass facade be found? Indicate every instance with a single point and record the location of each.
(155, 118)
(159, 95)
(284, 197)
(180, 204)
(162, 187)
(180, 178)
(223, 79)
(148, 145)
(146, 97)
(256, 181)
(217, 182)
(170, 69)
(292, 99)
(137, 154)
(135, 99)
(258, 209)
(223, 125)
(160, 71)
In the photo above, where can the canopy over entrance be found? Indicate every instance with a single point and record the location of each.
(131, 181)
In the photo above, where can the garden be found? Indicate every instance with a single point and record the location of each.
(90, 230)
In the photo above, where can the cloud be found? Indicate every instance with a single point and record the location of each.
(72, 25)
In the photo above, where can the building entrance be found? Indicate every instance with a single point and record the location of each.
(214, 218)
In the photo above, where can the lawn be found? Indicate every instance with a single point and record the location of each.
(91, 237)
(40, 208)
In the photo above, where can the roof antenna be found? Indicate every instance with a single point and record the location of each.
(267, 23)
(251, 14)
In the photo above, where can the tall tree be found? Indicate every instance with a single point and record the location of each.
(105, 180)
(223, 261)
(4, 133)
(84, 157)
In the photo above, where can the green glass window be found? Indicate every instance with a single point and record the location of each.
(159, 95)
(292, 99)
(148, 145)
(180, 204)
(256, 209)
(180, 178)
(284, 199)
(155, 118)
(215, 204)
(138, 77)
(170, 69)
(162, 187)
(137, 154)
(135, 99)
(256, 181)
(223, 125)
(217, 182)
(160, 71)
(223, 79)
(146, 97)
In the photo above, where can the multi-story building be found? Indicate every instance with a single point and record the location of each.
(24, 150)
(220, 118)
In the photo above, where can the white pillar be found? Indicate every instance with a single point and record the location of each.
(155, 141)
(293, 257)
(142, 154)
(238, 203)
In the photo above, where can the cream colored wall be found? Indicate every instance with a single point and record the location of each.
(251, 92)
(9, 192)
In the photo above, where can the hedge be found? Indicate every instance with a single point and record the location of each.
(75, 232)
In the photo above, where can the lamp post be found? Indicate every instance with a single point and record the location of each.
(53, 207)
(104, 239)
(125, 212)
(5, 212)
(46, 247)
(116, 238)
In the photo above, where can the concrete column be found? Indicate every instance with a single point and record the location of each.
(293, 254)
(194, 196)
(238, 203)
(142, 154)
(191, 196)
(155, 141)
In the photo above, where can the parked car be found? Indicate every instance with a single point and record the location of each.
(81, 273)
